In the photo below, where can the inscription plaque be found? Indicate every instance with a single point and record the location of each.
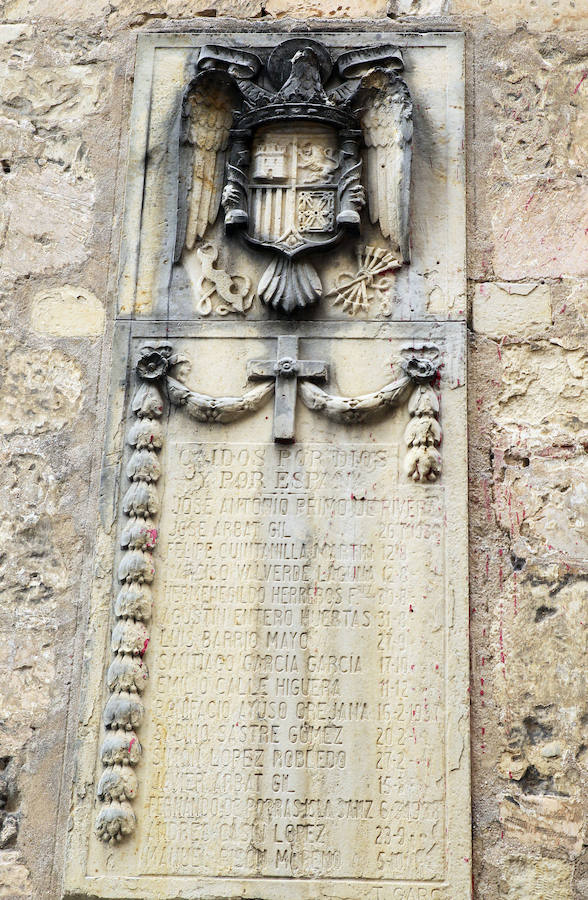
(276, 704)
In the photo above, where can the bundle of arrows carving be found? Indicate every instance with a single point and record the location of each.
(354, 292)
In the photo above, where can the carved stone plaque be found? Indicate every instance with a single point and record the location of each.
(275, 695)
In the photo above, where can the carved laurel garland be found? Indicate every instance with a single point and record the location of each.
(352, 409)
(127, 675)
(205, 408)
(423, 433)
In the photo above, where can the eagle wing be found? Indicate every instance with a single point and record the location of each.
(206, 122)
(386, 123)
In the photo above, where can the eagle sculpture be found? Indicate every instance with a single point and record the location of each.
(294, 149)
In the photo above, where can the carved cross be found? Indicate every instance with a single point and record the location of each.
(286, 370)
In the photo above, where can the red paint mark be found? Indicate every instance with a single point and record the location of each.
(152, 532)
(410, 609)
(144, 650)
(486, 500)
(501, 642)
(132, 741)
(528, 203)
(582, 79)
(564, 307)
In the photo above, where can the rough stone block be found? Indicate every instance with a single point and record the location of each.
(15, 882)
(537, 878)
(41, 391)
(68, 312)
(300, 9)
(541, 230)
(501, 308)
(538, 15)
(398, 8)
(544, 822)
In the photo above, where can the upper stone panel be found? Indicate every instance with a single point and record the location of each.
(270, 173)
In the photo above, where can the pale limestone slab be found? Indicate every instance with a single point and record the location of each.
(306, 728)
(303, 733)
(434, 282)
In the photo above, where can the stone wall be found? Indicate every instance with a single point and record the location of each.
(65, 96)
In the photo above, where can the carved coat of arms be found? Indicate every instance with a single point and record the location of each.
(294, 148)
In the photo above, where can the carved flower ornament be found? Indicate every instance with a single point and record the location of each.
(154, 362)
(286, 366)
(420, 369)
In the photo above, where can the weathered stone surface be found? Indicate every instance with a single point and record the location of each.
(328, 9)
(14, 878)
(531, 240)
(537, 15)
(530, 134)
(545, 822)
(500, 309)
(414, 8)
(41, 391)
(68, 312)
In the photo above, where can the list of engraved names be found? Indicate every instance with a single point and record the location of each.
(297, 713)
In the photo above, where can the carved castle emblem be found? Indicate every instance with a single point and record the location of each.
(293, 150)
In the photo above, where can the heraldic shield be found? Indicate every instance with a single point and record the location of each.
(292, 189)
(294, 206)
(284, 145)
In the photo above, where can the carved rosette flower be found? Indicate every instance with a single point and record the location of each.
(154, 362)
(127, 674)
(420, 369)
(286, 366)
(423, 433)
